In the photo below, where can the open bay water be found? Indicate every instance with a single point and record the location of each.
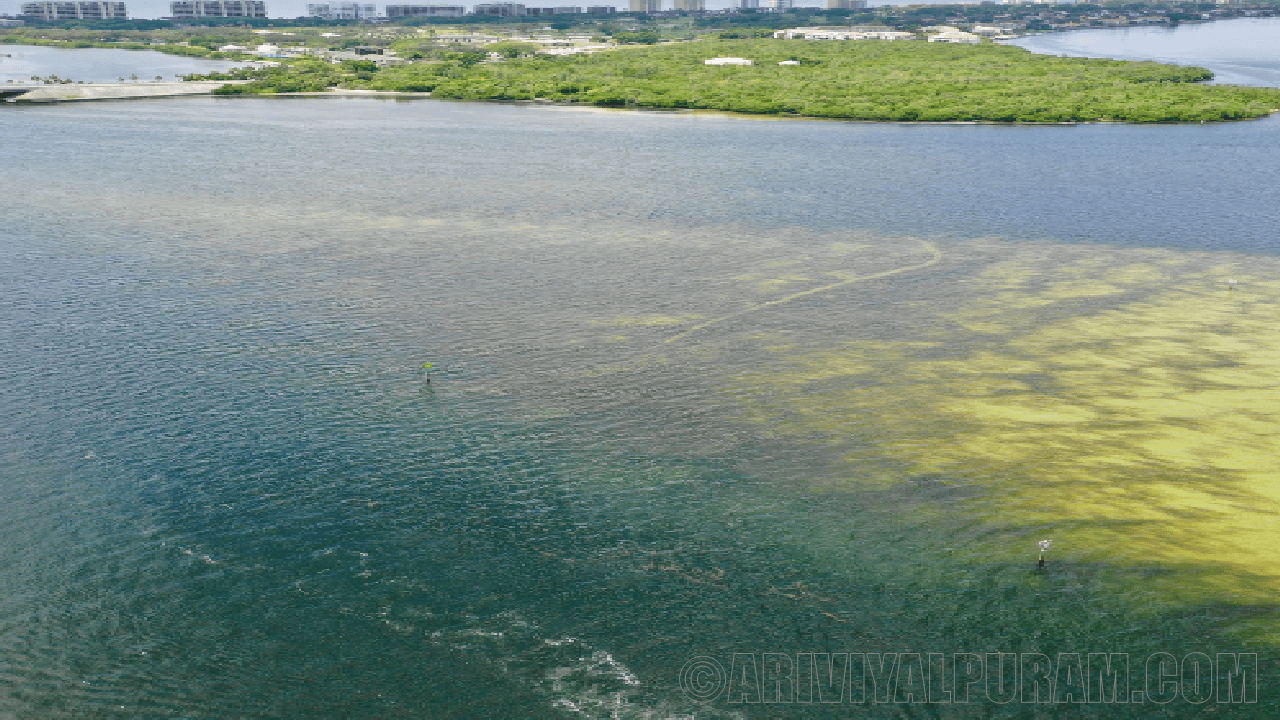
(19, 63)
(1241, 51)
(706, 385)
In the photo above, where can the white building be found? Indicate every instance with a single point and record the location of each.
(645, 6)
(342, 11)
(846, 4)
(779, 5)
(690, 5)
(956, 37)
(75, 10)
(987, 30)
(467, 39)
(840, 33)
(398, 11)
(187, 9)
(728, 61)
(558, 41)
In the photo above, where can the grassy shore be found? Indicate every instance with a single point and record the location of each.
(863, 80)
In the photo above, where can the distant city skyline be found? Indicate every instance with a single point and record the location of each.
(288, 9)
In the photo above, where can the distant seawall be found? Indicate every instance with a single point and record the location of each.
(117, 91)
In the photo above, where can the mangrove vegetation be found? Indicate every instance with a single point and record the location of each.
(850, 80)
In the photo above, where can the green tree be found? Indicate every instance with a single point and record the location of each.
(638, 37)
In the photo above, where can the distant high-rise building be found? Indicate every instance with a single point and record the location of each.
(645, 6)
(75, 10)
(846, 4)
(690, 5)
(600, 9)
(779, 5)
(500, 9)
(396, 11)
(187, 9)
(342, 11)
(748, 4)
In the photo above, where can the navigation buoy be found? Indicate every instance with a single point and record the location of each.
(1231, 284)
(1044, 545)
(427, 367)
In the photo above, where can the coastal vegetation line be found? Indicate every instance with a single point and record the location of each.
(867, 80)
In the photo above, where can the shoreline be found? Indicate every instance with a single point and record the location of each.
(546, 103)
(103, 92)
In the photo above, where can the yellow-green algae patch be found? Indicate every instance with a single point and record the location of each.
(1128, 409)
